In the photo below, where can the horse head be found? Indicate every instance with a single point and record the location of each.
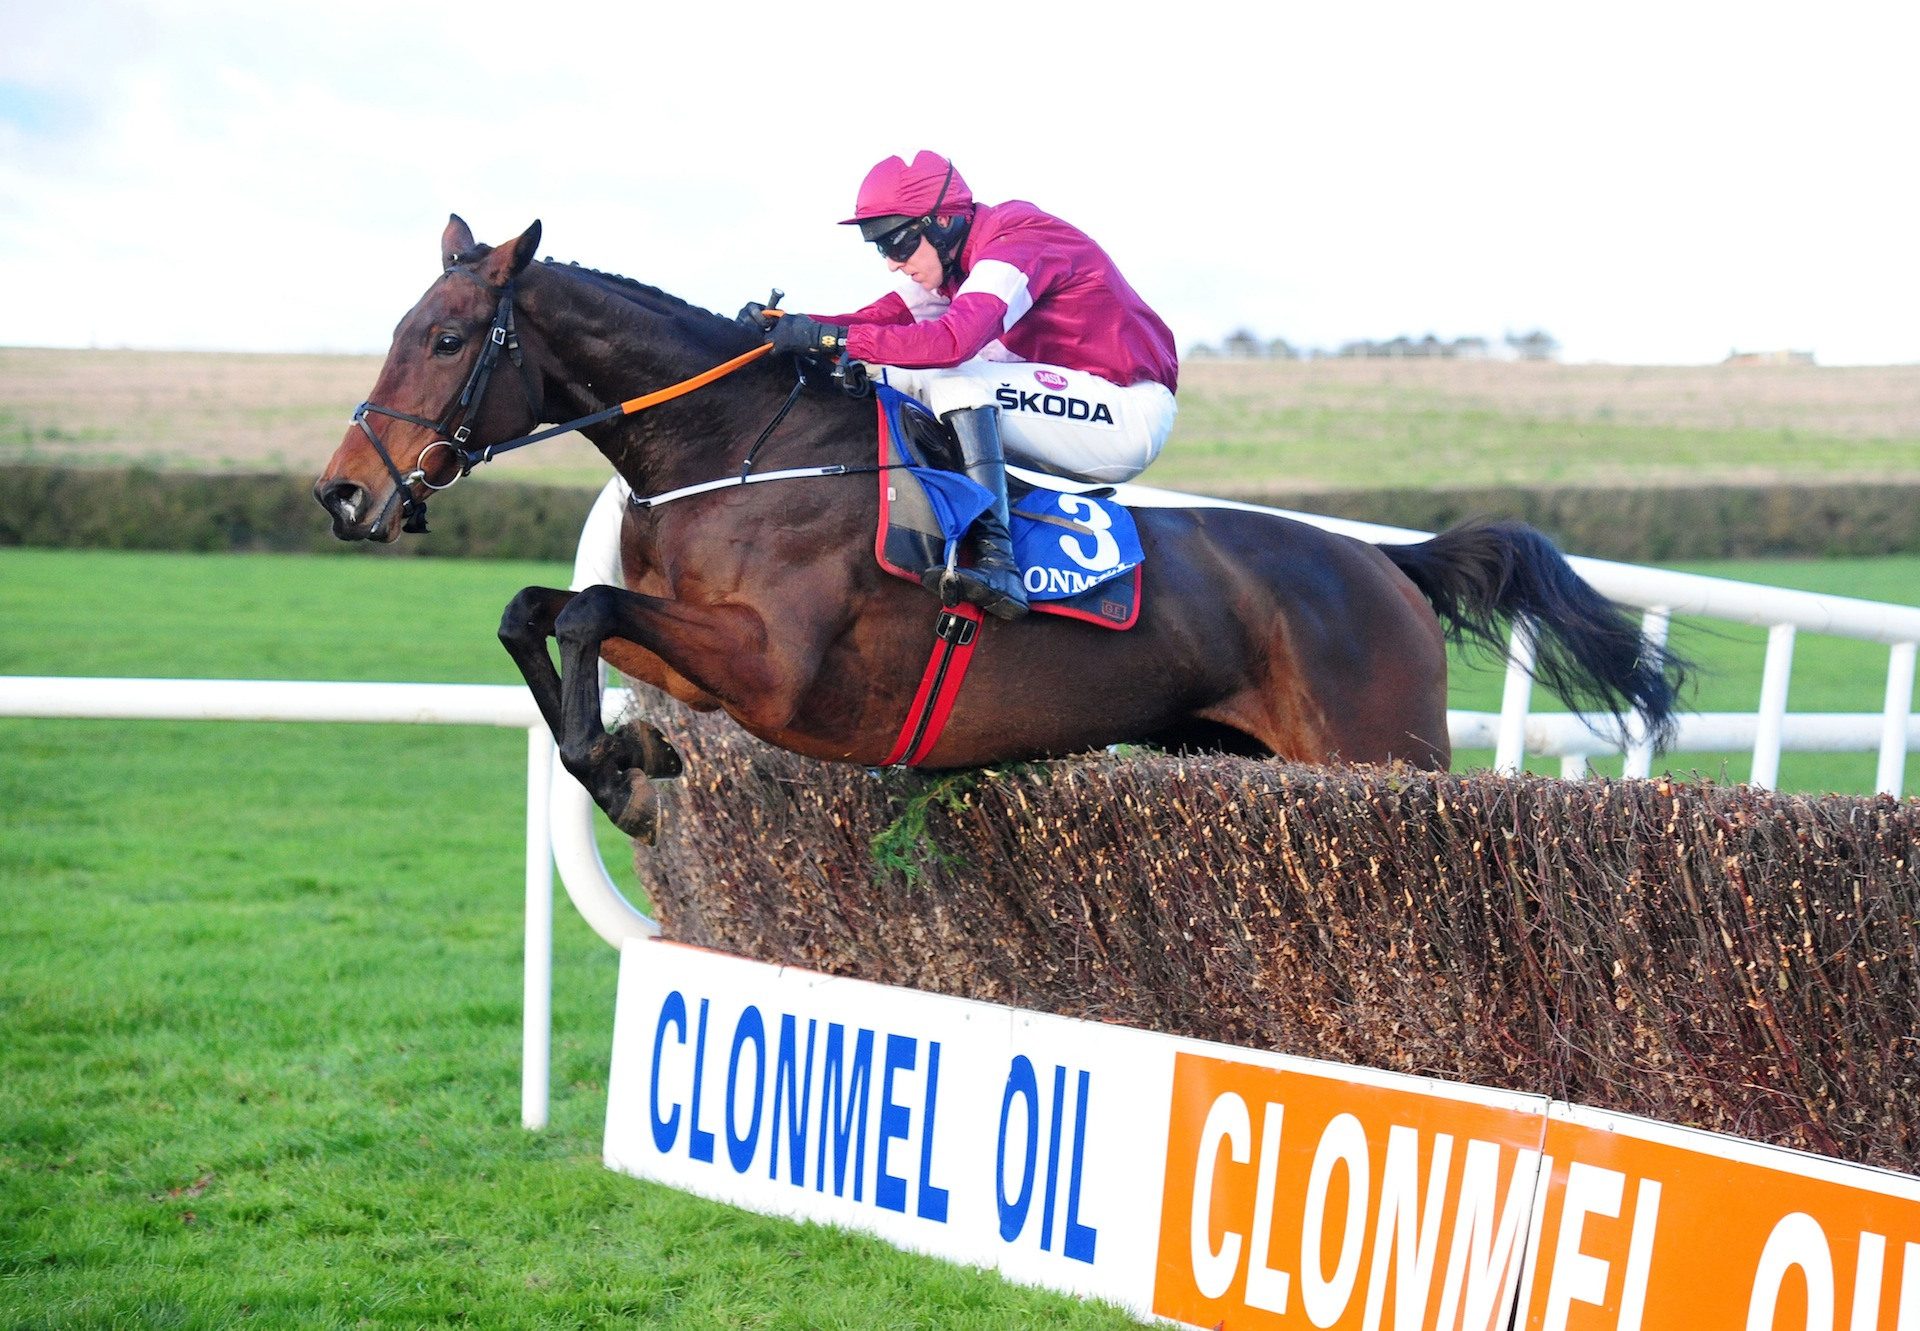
(436, 391)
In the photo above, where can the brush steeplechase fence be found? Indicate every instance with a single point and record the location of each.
(1206, 1181)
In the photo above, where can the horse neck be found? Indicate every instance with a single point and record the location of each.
(606, 346)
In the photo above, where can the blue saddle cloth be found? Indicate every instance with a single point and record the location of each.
(1079, 553)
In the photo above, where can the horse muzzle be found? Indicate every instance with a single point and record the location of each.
(356, 517)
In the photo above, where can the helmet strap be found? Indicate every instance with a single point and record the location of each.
(947, 239)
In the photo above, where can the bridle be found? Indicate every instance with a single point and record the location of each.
(501, 336)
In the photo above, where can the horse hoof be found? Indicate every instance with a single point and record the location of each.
(641, 745)
(635, 809)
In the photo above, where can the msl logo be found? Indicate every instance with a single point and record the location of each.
(1058, 405)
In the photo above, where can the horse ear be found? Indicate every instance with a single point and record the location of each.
(455, 242)
(507, 261)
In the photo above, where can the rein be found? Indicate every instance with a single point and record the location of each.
(503, 337)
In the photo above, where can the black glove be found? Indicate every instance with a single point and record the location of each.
(754, 318)
(799, 335)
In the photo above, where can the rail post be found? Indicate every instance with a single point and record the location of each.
(536, 1031)
(1510, 752)
(1893, 730)
(1774, 678)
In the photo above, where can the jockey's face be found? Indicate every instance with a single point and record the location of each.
(923, 267)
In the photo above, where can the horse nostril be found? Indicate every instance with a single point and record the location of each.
(342, 499)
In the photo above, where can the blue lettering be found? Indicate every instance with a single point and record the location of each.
(1080, 1238)
(1013, 1213)
(1029, 401)
(1077, 409)
(1053, 1158)
(1007, 398)
(740, 1147)
(889, 1191)
(933, 1201)
(1101, 414)
(794, 1082)
(699, 1140)
(673, 1008)
(1053, 405)
(840, 1087)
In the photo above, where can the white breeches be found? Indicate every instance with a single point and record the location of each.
(1065, 422)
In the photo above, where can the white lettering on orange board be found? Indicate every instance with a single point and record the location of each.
(1482, 1261)
(1799, 1244)
(1412, 1238)
(1267, 1287)
(1579, 1277)
(1343, 1143)
(1281, 1201)
(1227, 1124)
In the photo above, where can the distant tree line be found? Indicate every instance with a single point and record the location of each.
(1245, 344)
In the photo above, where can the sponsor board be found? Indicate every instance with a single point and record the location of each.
(1216, 1186)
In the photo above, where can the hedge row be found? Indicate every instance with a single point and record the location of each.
(147, 510)
(137, 509)
(1723, 957)
(1656, 526)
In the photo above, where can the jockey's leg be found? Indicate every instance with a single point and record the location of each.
(1064, 422)
(993, 581)
(964, 402)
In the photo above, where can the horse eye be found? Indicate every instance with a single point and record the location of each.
(446, 344)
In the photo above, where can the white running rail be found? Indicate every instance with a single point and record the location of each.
(560, 829)
(1767, 731)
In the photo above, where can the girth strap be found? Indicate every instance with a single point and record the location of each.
(956, 630)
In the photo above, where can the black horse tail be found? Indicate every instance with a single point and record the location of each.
(1586, 648)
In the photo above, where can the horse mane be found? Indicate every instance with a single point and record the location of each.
(711, 328)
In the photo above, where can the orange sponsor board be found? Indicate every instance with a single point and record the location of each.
(1295, 1199)
(1646, 1225)
(1298, 1200)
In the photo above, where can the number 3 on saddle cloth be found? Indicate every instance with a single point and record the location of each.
(1079, 554)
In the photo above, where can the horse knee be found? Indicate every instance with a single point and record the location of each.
(589, 616)
(529, 616)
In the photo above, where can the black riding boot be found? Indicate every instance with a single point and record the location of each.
(993, 580)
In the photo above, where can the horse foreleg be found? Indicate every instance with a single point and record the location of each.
(635, 752)
(525, 626)
(721, 650)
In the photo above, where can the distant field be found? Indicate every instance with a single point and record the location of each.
(1244, 425)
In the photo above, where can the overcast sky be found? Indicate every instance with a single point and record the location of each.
(1654, 183)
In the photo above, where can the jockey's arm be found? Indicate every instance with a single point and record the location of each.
(889, 309)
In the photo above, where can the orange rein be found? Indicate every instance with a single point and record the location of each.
(700, 380)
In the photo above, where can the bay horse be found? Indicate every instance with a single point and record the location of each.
(1258, 635)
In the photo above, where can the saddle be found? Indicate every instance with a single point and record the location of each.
(1079, 552)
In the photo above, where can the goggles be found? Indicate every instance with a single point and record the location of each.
(903, 242)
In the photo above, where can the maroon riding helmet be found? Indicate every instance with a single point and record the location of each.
(899, 202)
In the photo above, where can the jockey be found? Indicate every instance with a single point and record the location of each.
(1012, 324)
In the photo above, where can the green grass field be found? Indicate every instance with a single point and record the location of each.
(261, 1001)
(261, 987)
